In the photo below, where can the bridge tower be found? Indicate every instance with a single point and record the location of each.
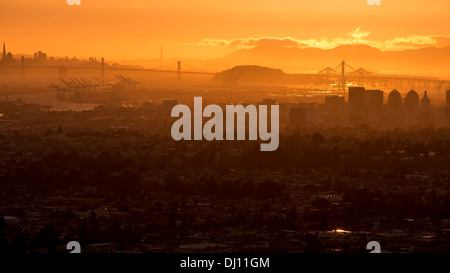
(179, 70)
(343, 76)
(22, 66)
(102, 67)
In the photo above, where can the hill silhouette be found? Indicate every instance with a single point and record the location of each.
(250, 74)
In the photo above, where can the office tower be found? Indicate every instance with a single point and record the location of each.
(357, 104)
(424, 114)
(374, 100)
(42, 56)
(394, 100)
(447, 106)
(425, 101)
(334, 103)
(447, 99)
(412, 101)
(356, 97)
(394, 109)
(4, 53)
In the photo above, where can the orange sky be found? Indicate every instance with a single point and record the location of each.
(136, 29)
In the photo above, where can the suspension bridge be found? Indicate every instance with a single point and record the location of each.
(338, 77)
(63, 70)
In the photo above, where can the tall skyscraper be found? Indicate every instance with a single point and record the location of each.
(447, 99)
(394, 113)
(412, 101)
(425, 101)
(334, 103)
(447, 106)
(374, 100)
(394, 100)
(356, 97)
(4, 53)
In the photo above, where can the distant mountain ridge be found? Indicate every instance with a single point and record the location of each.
(422, 60)
(431, 61)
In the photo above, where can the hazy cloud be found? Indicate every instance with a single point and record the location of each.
(358, 34)
(354, 37)
(245, 42)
